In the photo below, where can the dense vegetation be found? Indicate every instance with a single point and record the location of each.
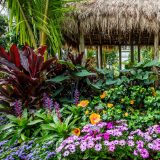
(61, 107)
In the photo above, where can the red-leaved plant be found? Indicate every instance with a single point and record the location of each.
(25, 72)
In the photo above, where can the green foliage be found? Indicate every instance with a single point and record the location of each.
(140, 74)
(38, 21)
(53, 128)
(18, 128)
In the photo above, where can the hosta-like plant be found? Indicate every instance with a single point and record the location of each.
(26, 73)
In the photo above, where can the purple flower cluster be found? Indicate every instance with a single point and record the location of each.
(108, 137)
(76, 97)
(27, 151)
(47, 102)
(18, 107)
(57, 109)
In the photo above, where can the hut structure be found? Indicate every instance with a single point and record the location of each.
(114, 22)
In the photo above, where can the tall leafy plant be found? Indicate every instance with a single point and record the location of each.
(38, 21)
(26, 74)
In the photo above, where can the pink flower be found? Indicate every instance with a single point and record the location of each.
(111, 148)
(98, 147)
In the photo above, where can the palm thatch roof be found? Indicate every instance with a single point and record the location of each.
(113, 16)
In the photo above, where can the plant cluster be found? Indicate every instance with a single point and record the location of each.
(111, 139)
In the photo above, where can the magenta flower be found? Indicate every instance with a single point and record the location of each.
(106, 136)
(109, 125)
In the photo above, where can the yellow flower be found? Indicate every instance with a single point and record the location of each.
(109, 105)
(103, 95)
(83, 103)
(153, 91)
(76, 131)
(126, 114)
(104, 112)
(132, 102)
(154, 94)
(86, 112)
(94, 118)
(122, 100)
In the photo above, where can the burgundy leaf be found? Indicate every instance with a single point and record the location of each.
(38, 65)
(48, 63)
(15, 57)
(4, 54)
(42, 49)
(24, 62)
(8, 64)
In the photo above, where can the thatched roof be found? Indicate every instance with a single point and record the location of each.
(107, 16)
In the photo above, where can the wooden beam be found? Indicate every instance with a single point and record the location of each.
(120, 57)
(139, 53)
(81, 43)
(97, 57)
(156, 45)
(132, 47)
(101, 57)
(132, 53)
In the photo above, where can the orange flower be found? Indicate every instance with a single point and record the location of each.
(76, 131)
(94, 118)
(132, 102)
(83, 103)
(103, 95)
(109, 105)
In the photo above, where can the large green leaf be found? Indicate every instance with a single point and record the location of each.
(96, 86)
(152, 63)
(58, 79)
(84, 73)
(110, 81)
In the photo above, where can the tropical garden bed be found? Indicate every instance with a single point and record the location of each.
(98, 115)
(58, 105)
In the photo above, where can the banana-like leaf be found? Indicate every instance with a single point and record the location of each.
(58, 79)
(84, 73)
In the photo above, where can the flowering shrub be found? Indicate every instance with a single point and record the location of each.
(136, 97)
(112, 139)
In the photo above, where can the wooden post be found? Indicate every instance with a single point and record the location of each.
(139, 53)
(132, 47)
(81, 43)
(101, 57)
(132, 53)
(97, 57)
(156, 45)
(120, 57)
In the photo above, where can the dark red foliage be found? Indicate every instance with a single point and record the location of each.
(26, 74)
(76, 58)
